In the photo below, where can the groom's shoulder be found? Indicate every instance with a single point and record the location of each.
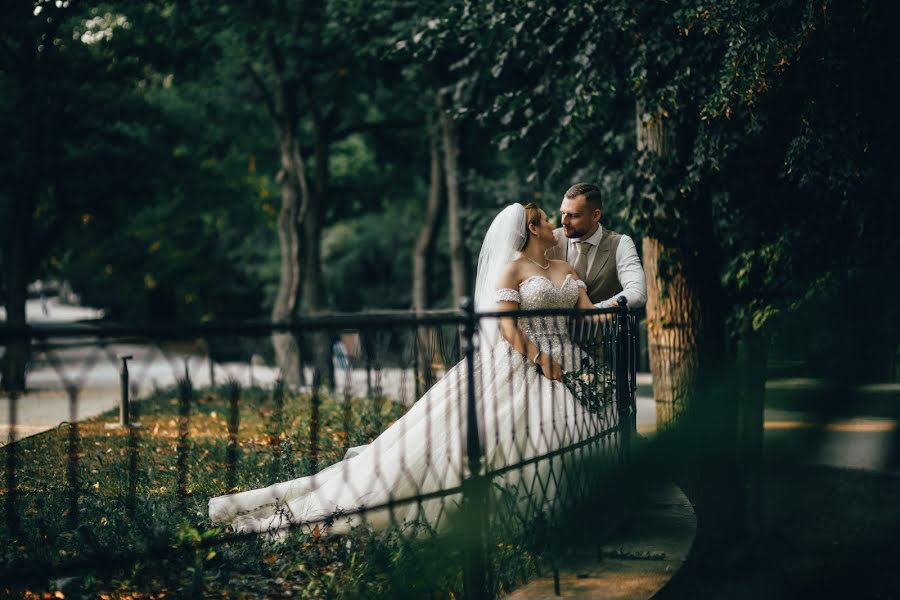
(614, 236)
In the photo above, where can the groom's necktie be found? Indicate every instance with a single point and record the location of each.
(581, 260)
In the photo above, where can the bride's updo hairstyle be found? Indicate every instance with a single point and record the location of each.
(532, 217)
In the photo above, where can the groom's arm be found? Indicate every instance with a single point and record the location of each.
(631, 276)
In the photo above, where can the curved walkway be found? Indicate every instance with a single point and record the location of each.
(634, 565)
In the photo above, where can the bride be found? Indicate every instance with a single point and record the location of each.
(524, 410)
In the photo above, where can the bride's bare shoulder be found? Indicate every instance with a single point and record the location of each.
(511, 275)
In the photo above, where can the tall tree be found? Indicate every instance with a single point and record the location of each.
(29, 52)
(424, 251)
(753, 191)
(56, 84)
(451, 149)
(296, 54)
(673, 303)
(434, 55)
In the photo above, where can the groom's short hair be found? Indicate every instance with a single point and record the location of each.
(590, 192)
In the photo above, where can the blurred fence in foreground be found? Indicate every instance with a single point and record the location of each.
(487, 446)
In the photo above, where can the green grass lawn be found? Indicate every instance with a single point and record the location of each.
(77, 512)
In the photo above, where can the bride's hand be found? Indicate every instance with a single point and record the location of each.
(549, 367)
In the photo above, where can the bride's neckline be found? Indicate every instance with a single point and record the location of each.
(550, 281)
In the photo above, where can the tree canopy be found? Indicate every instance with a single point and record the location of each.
(778, 170)
(145, 156)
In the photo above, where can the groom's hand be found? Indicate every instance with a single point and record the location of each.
(589, 327)
(601, 319)
(604, 318)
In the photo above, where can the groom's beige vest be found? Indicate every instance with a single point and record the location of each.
(603, 277)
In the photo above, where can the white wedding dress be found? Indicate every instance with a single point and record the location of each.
(521, 414)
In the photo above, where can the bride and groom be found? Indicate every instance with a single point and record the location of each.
(524, 413)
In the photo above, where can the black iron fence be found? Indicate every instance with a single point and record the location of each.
(426, 428)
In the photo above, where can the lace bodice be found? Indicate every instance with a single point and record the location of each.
(538, 292)
(550, 334)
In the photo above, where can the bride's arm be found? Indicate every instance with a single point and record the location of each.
(583, 301)
(510, 330)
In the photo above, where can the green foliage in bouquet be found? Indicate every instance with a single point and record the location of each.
(592, 384)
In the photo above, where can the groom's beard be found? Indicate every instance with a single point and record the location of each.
(575, 233)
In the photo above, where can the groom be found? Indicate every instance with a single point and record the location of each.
(605, 260)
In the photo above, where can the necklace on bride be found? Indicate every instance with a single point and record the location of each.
(544, 267)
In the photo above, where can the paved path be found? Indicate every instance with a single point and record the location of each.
(92, 379)
(641, 560)
(73, 379)
(857, 441)
(635, 564)
(78, 380)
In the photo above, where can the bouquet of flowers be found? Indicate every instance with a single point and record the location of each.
(591, 384)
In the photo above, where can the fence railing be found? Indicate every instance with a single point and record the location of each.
(441, 433)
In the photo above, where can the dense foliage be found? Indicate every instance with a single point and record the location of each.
(154, 167)
(778, 171)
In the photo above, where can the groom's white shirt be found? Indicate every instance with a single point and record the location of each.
(628, 268)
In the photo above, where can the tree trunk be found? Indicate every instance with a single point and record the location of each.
(715, 400)
(300, 285)
(673, 324)
(26, 187)
(15, 357)
(752, 353)
(424, 252)
(287, 353)
(319, 342)
(673, 305)
(313, 293)
(750, 379)
(458, 263)
(295, 203)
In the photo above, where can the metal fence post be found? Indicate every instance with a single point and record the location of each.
(124, 417)
(623, 375)
(474, 500)
(233, 393)
(12, 516)
(315, 404)
(634, 344)
(277, 427)
(185, 397)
